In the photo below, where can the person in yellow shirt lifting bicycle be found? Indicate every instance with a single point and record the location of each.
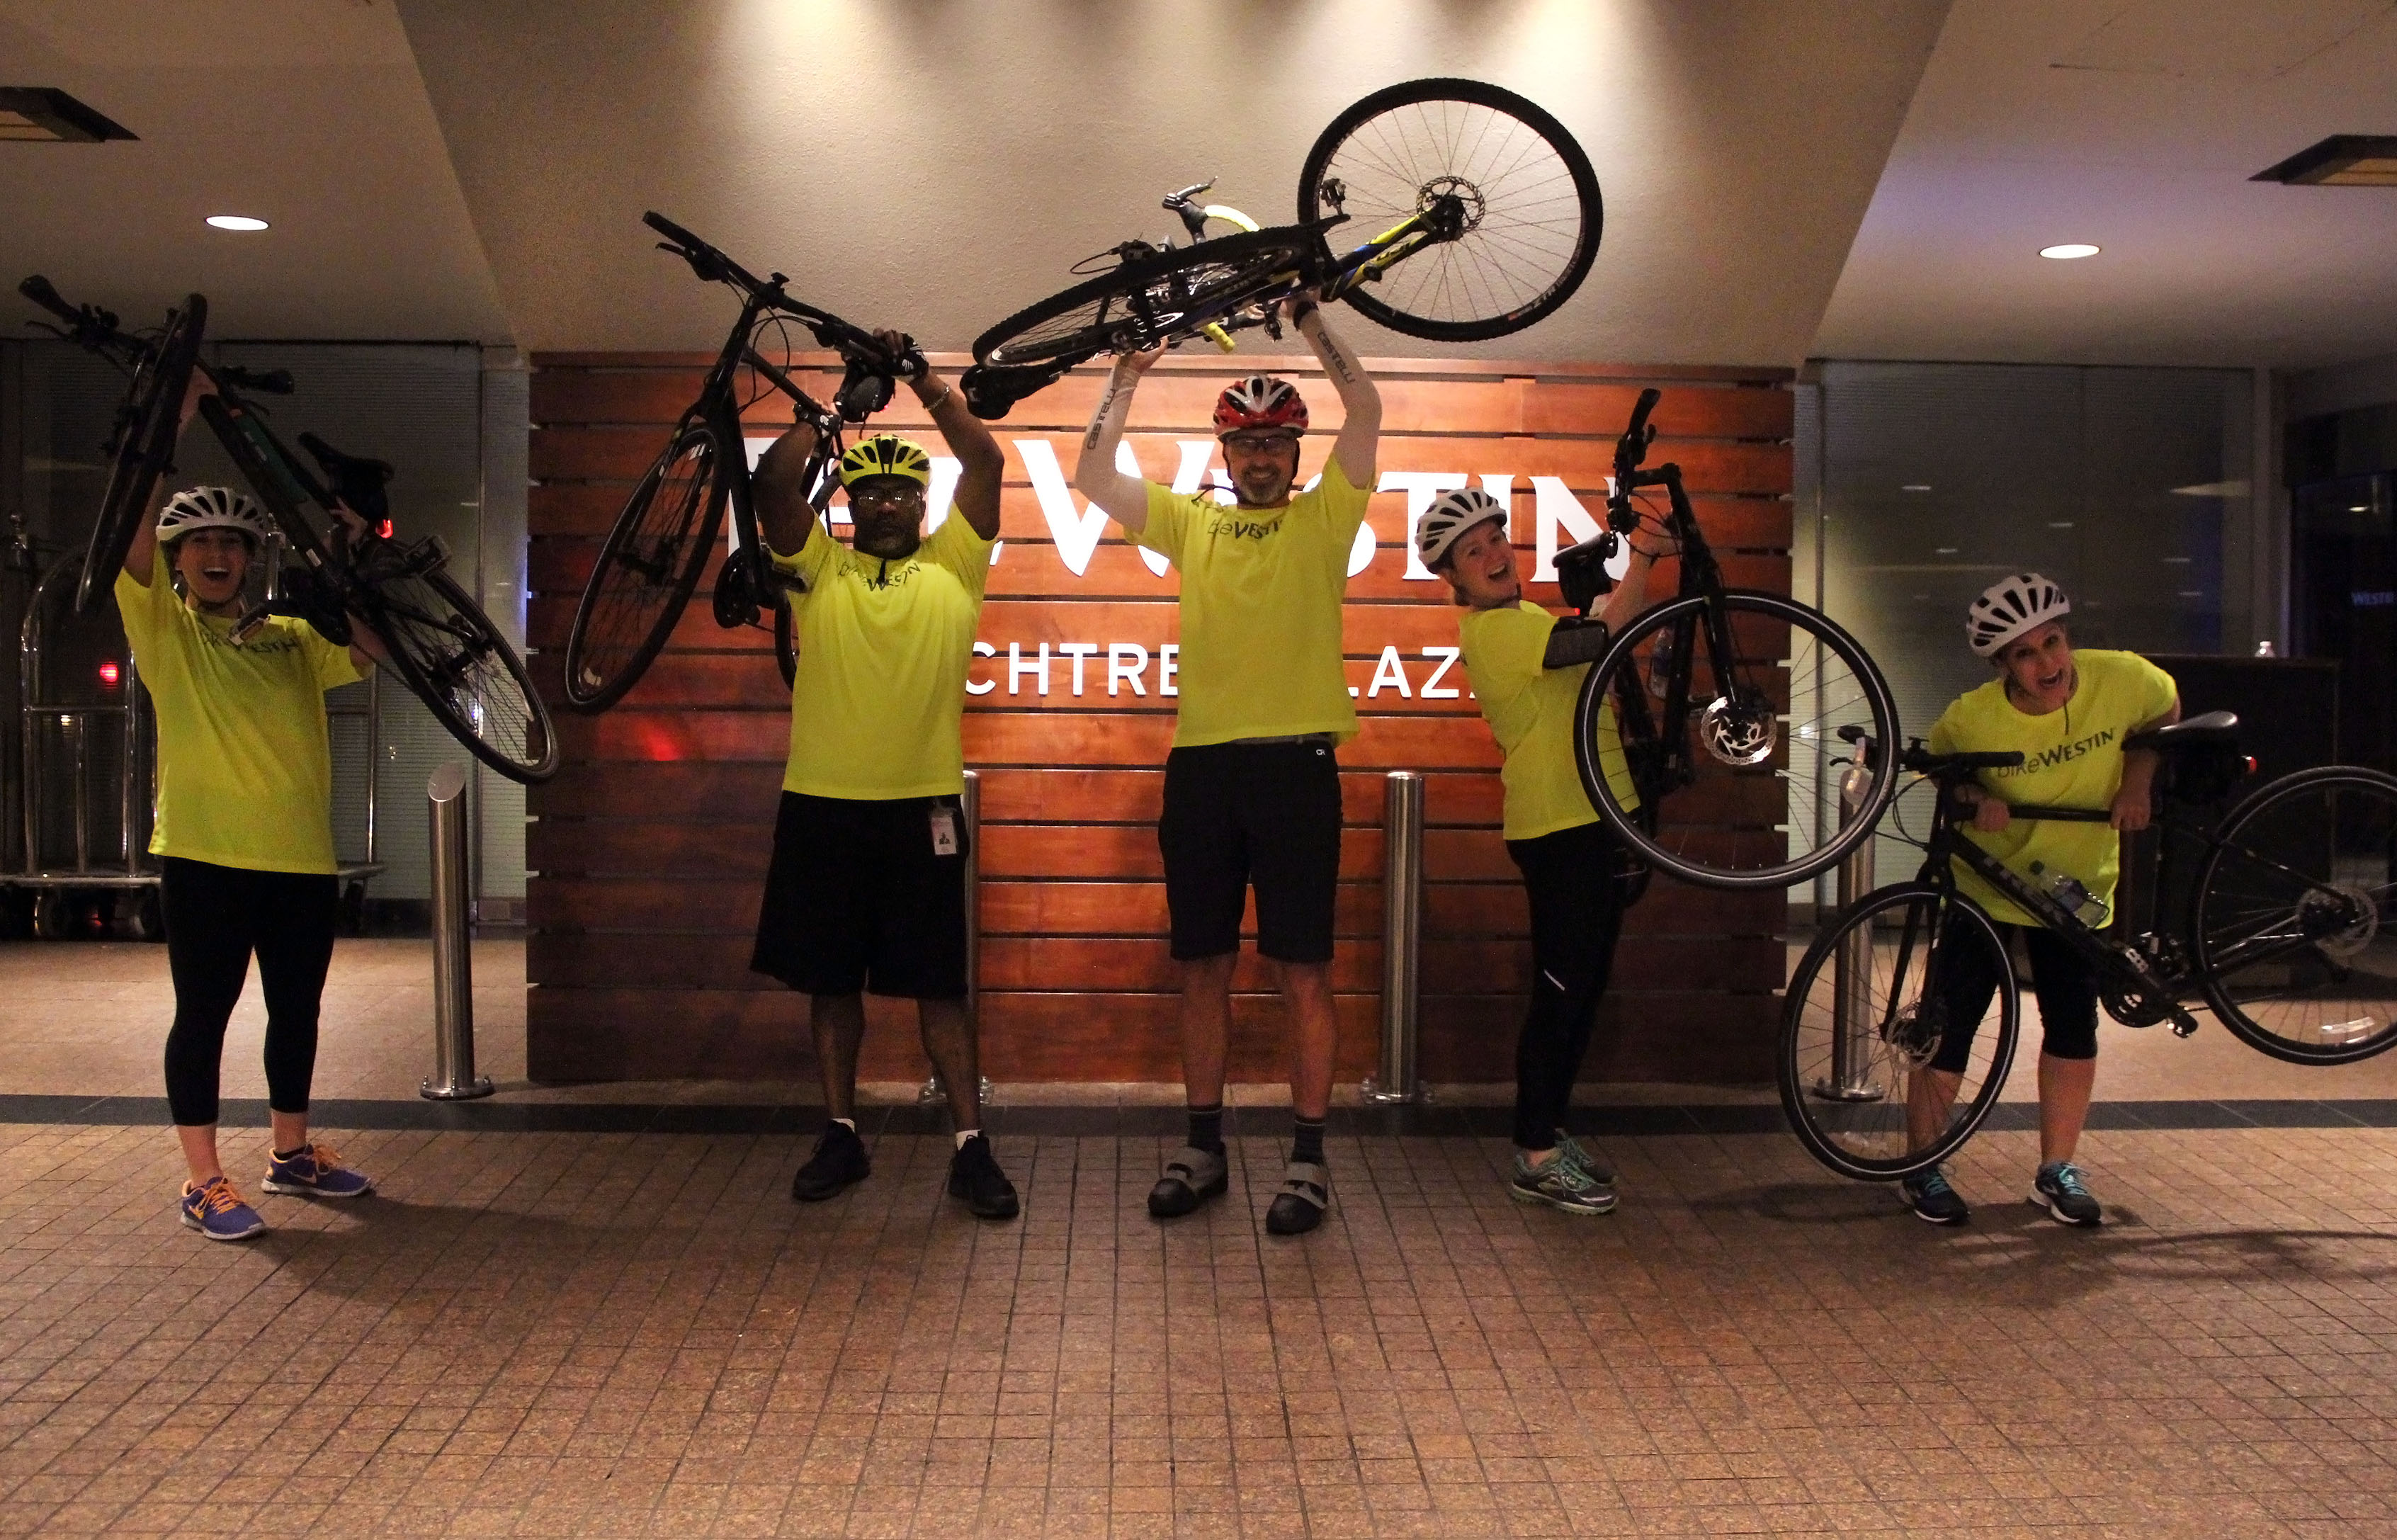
(1251, 787)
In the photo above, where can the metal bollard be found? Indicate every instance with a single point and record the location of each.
(1851, 969)
(1402, 837)
(453, 975)
(932, 1090)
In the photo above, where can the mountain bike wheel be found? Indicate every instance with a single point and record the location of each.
(1743, 788)
(1151, 299)
(2296, 917)
(1530, 198)
(1865, 1016)
(455, 660)
(647, 570)
(146, 426)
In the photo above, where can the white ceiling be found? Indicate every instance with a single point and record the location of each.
(2133, 125)
(938, 164)
(928, 163)
(457, 170)
(309, 113)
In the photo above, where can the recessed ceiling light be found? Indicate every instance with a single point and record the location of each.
(2069, 250)
(1944, 551)
(1915, 487)
(2059, 524)
(236, 222)
(2358, 508)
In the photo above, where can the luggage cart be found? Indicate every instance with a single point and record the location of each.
(89, 780)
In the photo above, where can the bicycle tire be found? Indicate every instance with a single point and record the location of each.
(649, 567)
(1524, 254)
(1851, 1121)
(147, 426)
(1177, 292)
(453, 659)
(1731, 833)
(2321, 840)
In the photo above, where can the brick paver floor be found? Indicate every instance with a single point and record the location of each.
(581, 1334)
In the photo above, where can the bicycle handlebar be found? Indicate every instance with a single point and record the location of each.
(40, 290)
(855, 346)
(1632, 447)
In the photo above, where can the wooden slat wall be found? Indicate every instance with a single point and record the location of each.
(649, 848)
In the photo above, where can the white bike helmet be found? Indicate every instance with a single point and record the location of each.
(212, 508)
(1452, 514)
(2009, 608)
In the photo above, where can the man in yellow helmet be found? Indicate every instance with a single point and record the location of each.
(867, 890)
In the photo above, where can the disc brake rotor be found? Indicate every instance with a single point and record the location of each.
(1451, 206)
(1737, 734)
(2344, 901)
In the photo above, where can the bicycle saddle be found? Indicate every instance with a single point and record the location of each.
(2212, 729)
(358, 482)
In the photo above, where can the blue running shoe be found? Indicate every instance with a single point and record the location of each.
(314, 1172)
(1932, 1201)
(217, 1211)
(2061, 1191)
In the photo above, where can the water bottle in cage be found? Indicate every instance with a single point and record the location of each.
(1660, 662)
(2067, 891)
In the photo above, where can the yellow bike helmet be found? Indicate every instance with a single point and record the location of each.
(886, 454)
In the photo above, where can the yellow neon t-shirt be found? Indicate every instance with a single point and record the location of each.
(1261, 592)
(245, 765)
(2071, 758)
(1530, 710)
(884, 647)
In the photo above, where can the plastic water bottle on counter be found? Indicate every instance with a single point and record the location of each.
(2067, 891)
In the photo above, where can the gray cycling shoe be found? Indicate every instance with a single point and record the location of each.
(1192, 1176)
(1298, 1208)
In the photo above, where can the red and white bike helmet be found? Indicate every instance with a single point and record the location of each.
(1259, 401)
(213, 508)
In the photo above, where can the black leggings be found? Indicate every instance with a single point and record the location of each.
(215, 917)
(2061, 980)
(1573, 877)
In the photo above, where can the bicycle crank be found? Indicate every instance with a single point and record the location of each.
(1738, 734)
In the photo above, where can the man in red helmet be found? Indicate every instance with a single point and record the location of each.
(1252, 790)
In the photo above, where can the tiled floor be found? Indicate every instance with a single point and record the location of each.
(590, 1333)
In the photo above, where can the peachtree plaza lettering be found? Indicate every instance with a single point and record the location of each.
(1559, 520)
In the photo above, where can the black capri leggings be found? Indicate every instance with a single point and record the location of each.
(2064, 982)
(215, 917)
(1573, 879)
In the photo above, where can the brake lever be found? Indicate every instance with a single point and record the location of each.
(707, 271)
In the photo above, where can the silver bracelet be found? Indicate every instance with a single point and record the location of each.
(935, 403)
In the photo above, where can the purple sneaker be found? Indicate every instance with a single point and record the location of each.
(217, 1212)
(314, 1172)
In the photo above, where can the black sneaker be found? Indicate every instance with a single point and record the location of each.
(974, 1176)
(839, 1162)
(2060, 1190)
(1928, 1194)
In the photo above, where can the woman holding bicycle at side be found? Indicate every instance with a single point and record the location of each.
(243, 830)
(2067, 711)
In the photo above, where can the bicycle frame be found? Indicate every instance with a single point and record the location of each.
(748, 582)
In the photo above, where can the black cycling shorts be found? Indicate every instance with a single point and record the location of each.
(1237, 814)
(857, 899)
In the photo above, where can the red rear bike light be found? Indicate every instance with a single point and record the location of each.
(383, 530)
(110, 673)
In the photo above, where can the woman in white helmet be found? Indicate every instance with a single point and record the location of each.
(244, 831)
(2067, 711)
(1568, 861)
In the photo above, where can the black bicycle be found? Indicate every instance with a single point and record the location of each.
(1726, 701)
(439, 641)
(1488, 218)
(653, 558)
(2276, 917)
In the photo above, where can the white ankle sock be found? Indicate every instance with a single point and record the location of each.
(964, 1135)
(848, 1123)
